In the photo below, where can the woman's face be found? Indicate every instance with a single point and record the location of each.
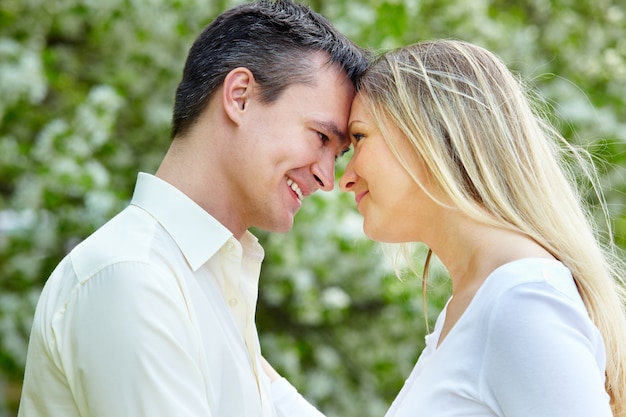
(394, 207)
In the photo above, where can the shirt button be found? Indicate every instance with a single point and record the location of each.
(233, 302)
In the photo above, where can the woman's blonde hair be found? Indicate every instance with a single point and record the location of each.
(488, 144)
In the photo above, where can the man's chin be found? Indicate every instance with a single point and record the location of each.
(285, 227)
(279, 225)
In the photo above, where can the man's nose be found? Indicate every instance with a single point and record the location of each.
(324, 172)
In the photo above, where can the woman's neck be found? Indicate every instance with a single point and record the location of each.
(470, 251)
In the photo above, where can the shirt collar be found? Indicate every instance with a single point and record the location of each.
(198, 234)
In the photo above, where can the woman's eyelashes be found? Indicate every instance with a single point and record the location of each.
(356, 137)
(342, 153)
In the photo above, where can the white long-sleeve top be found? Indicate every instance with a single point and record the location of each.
(524, 347)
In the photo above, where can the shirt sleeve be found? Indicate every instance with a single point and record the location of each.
(128, 346)
(289, 402)
(544, 356)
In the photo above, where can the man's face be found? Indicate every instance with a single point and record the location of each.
(286, 150)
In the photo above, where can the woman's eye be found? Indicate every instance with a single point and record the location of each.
(323, 137)
(356, 137)
(342, 153)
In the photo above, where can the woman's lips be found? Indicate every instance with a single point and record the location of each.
(359, 196)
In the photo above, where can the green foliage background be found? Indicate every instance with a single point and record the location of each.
(86, 91)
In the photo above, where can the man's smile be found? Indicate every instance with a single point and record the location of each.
(295, 187)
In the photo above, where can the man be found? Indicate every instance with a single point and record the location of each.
(153, 315)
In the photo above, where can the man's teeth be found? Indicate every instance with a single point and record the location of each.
(295, 188)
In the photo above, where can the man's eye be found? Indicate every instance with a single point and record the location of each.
(323, 137)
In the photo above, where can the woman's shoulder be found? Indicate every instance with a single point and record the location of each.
(533, 297)
(529, 291)
(540, 274)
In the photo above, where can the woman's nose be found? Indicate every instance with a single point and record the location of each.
(349, 177)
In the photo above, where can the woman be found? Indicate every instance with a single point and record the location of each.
(449, 151)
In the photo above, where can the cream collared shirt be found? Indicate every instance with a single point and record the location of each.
(153, 315)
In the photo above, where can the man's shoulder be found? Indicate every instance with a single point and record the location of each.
(126, 253)
(131, 236)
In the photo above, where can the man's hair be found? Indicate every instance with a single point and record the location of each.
(273, 39)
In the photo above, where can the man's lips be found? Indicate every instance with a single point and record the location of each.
(295, 187)
(359, 196)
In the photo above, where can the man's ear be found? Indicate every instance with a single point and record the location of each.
(237, 92)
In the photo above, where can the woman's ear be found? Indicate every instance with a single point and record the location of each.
(237, 91)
